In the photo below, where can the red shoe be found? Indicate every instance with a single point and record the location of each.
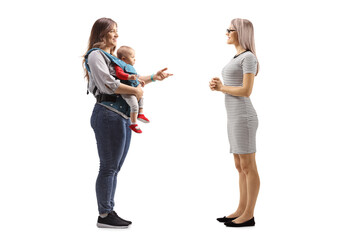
(142, 118)
(135, 128)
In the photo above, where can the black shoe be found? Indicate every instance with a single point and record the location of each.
(249, 223)
(225, 219)
(122, 219)
(111, 221)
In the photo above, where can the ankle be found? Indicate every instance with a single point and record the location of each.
(247, 214)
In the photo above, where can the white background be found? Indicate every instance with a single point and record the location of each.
(179, 176)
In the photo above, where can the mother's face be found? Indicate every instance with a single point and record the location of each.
(232, 36)
(111, 37)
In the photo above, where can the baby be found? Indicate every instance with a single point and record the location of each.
(127, 55)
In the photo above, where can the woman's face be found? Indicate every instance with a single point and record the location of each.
(111, 37)
(232, 36)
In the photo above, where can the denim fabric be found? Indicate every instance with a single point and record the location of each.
(113, 137)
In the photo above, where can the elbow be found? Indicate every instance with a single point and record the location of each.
(247, 94)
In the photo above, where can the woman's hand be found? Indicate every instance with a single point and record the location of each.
(139, 92)
(215, 84)
(161, 75)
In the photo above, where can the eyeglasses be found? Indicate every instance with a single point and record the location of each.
(230, 30)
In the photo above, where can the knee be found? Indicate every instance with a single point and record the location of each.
(238, 167)
(107, 171)
(245, 168)
(134, 108)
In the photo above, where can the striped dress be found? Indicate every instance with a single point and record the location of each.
(242, 121)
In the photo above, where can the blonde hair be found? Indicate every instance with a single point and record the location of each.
(123, 51)
(245, 32)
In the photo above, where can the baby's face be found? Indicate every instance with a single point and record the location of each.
(130, 58)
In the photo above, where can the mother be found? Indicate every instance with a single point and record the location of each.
(109, 120)
(242, 124)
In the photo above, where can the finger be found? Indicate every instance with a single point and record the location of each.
(163, 70)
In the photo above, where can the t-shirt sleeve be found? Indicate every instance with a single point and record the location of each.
(101, 73)
(249, 64)
(120, 74)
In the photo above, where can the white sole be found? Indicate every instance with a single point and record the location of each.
(101, 225)
(142, 120)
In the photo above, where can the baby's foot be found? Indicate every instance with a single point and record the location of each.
(141, 117)
(135, 128)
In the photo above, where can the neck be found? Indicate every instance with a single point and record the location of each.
(239, 49)
(107, 49)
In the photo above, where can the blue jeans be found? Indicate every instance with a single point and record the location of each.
(113, 137)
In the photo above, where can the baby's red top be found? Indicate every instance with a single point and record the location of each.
(120, 74)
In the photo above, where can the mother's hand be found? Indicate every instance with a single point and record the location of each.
(139, 92)
(161, 75)
(215, 84)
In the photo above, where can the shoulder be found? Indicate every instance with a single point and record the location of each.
(98, 56)
(249, 56)
(95, 54)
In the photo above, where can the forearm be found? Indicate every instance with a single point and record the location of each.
(125, 89)
(236, 91)
(146, 79)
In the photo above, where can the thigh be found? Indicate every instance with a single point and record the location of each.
(247, 160)
(110, 133)
(130, 99)
(237, 160)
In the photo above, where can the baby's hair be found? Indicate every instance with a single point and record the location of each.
(123, 51)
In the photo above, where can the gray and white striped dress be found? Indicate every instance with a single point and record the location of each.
(242, 121)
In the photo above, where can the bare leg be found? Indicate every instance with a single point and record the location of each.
(133, 117)
(248, 166)
(242, 187)
(141, 110)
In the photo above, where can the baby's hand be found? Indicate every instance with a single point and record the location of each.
(142, 83)
(132, 77)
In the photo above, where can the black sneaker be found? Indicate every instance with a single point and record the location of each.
(112, 221)
(122, 219)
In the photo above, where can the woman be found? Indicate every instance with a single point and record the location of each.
(109, 120)
(242, 124)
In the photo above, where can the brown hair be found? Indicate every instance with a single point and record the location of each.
(99, 30)
(123, 51)
(245, 31)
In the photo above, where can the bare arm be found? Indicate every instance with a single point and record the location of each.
(160, 75)
(243, 91)
(125, 89)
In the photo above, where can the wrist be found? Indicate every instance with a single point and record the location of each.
(136, 90)
(152, 77)
(221, 89)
